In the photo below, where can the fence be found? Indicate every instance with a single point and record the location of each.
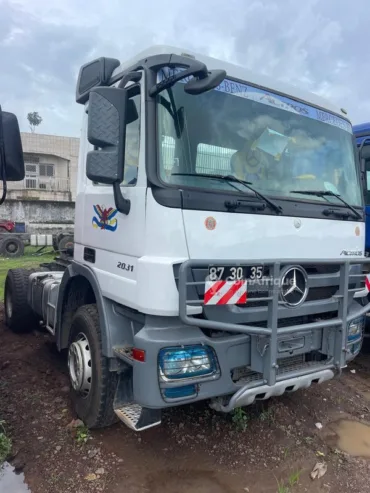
(41, 183)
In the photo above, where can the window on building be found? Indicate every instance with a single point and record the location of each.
(46, 169)
(31, 168)
(31, 158)
(37, 173)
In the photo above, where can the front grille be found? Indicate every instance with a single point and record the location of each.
(324, 319)
(244, 375)
(323, 283)
(307, 319)
(315, 293)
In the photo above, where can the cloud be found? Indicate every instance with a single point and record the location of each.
(317, 45)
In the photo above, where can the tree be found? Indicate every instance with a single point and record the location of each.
(34, 119)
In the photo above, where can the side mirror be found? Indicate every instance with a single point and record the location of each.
(109, 112)
(11, 151)
(94, 74)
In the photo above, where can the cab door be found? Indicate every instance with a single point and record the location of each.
(107, 241)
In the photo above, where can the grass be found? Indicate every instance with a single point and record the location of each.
(240, 419)
(27, 261)
(82, 434)
(267, 415)
(5, 444)
(282, 488)
(293, 480)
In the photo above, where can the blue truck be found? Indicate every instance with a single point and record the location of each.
(362, 135)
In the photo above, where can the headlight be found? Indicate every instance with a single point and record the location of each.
(355, 328)
(177, 363)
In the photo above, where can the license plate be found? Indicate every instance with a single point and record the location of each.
(235, 273)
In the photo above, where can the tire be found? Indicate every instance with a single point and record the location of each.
(93, 402)
(55, 243)
(11, 247)
(66, 243)
(19, 316)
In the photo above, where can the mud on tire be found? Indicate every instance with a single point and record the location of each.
(95, 407)
(19, 316)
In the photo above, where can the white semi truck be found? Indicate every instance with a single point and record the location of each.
(219, 241)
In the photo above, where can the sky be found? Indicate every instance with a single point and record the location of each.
(320, 45)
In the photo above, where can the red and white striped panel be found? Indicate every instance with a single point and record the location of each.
(225, 293)
(367, 282)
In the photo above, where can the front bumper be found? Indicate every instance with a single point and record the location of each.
(276, 355)
(330, 315)
(249, 394)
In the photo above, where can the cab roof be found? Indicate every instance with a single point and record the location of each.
(361, 131)
(237, 72)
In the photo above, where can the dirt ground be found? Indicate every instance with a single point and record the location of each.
(195, 450)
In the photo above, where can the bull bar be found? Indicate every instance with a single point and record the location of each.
(338, 324)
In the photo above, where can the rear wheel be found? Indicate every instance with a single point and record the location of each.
(66, 243)
(93, 385)
(12, 247)
(19, 316)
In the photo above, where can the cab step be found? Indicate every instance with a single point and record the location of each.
(138, 418)
(124, 353)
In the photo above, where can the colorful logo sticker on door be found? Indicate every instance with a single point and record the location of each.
(104, 218)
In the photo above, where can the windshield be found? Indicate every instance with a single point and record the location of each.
(277, 144)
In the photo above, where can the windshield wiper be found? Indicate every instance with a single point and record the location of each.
(229, 179)
(328, 193)
(248, 184)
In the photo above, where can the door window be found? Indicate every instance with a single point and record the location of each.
(132, 148)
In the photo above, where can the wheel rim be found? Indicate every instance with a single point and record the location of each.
(11, 247)
(9, 304)
(79, 365)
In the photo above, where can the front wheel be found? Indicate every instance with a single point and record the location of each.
(93, 385)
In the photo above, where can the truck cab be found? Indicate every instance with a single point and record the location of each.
(218, 245)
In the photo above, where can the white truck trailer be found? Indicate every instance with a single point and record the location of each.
(219, 241)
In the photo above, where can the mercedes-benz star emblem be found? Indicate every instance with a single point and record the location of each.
(294, 286)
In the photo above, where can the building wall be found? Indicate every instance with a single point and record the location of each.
(45, 203)
(63, 152)
(39, 216)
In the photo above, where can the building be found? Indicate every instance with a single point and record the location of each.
(45, 199)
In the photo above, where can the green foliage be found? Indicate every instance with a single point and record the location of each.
(82, 434)
(5, 443)
(240, 419)
(34, 119)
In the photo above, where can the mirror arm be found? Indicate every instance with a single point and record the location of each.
(123, 205)
(130, 77)
(195, 69)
